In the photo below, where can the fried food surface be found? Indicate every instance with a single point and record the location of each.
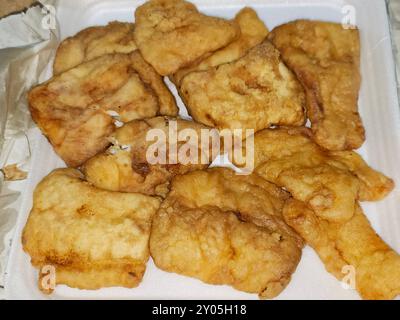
(329, 182)
(93, 238)
(108, 111)
(172, 34)
(326, 60)
(126, 166)
(252, 32)
(326, 187)
(93, 42)
(254, 92)
(352, 243)
(226, 229)
(73, 109)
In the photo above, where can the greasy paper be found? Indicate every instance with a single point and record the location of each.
(27, 44)
(394, 15)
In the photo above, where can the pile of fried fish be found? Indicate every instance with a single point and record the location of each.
(99, 220)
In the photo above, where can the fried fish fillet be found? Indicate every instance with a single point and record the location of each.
(352, 243)
(326, 187)
(254, 92)
(93, 238)
(126, 166)
(252, 32)
(93, 42)
(326, 59)
(329, 182)
(172, 34)
(75, 109)
(226, 229)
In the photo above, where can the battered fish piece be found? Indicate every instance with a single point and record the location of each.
(351, 243)
(172, 34)
(254, 92)
(75, 109)
(126, 167)
(252, 32)
(93, 42)
(93, 238)
(328, 182)
(326, 59)
(226, 229)
(326, 187)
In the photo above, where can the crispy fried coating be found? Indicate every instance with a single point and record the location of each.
(252, 32)
(73, 109)
(326, 59)
(326, 187)
(126, 166)
(172, 34)
(226, 229)
(254, 92)
(329, 182)
(93, 42)
(93, 238)
(351, 243)
(374, 186)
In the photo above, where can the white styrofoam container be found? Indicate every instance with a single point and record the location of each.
(378, 106)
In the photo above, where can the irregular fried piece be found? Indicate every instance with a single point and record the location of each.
(126, 167)
(254, 92)
(226, 229)
(93, 42)
(326, 186)
(326, 60)
(252, 32)
(13, 173)
(351, 243)
(93, 238)
(172, 34)
(73, 109)
(329, 182)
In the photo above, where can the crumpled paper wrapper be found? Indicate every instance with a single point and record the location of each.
(394, 14)
(27, 45)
